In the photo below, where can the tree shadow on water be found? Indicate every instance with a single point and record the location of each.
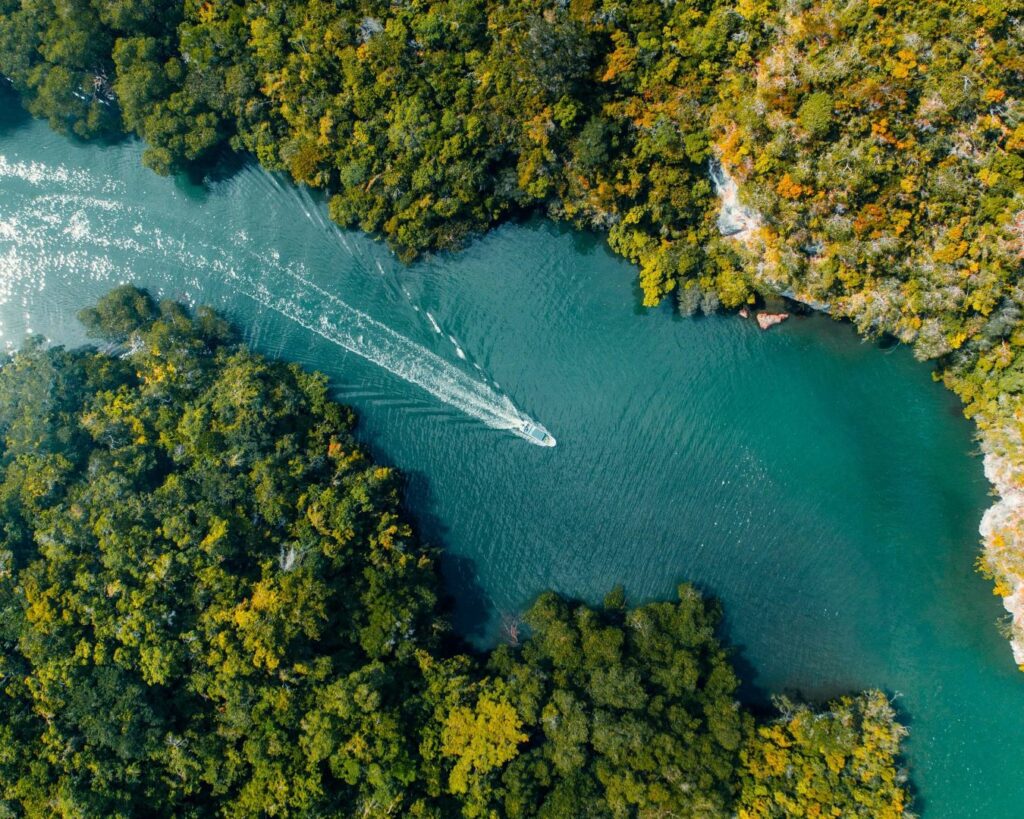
(463, 600)
(197, 181)
(903, 717)
(466, 602)
(749, 692)
(12, 115)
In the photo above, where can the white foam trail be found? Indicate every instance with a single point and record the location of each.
(433, 322)
(67, 236)
(366, 337)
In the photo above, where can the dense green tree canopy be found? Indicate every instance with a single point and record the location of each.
(211, 603)
(425, 121)
(634, 711)
(209, 593)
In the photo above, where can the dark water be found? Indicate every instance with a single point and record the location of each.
(826, 490)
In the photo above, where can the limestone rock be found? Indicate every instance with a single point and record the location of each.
(766, 320)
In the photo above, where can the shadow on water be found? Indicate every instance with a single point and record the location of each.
(749, 692)
(195, 182)
(470, 608)
(111, 138)
(463, 599)
(198, 179)
(584, 241)
(886, 342)
(12, 115)
(903, 717)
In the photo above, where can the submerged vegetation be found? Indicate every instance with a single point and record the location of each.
(211, 602)
(879, 144)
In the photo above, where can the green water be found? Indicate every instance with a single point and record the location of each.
(825, 489)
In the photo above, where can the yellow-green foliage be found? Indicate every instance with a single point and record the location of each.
(879, 141)
(209, 595)
(840, 762)
(481, 739)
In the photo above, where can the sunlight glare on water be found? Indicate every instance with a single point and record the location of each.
(101, 236)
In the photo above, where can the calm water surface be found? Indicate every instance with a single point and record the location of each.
(826, 490)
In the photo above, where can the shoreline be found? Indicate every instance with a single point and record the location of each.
(1001, 528)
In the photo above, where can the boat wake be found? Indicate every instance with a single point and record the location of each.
(62, 225)
(314, 308)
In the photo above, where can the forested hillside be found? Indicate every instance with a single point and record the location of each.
(879, 145)
(212, 603)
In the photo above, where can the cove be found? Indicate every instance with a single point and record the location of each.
(827, 491)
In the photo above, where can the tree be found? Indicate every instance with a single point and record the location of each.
(842, 762)
(815, 114)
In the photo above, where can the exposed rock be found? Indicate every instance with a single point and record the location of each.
(766, 320)
(1001, 531)
(820, 306)
(744, 312)
(734, 219)
(737, 221)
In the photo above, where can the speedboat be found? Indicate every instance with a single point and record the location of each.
(536, 434)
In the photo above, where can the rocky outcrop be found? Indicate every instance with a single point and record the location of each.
(766, 320)
(737, 221)
(734, 219)
(814, 304)
(1002, 531)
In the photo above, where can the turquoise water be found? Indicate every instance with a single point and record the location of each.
(824, 488)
